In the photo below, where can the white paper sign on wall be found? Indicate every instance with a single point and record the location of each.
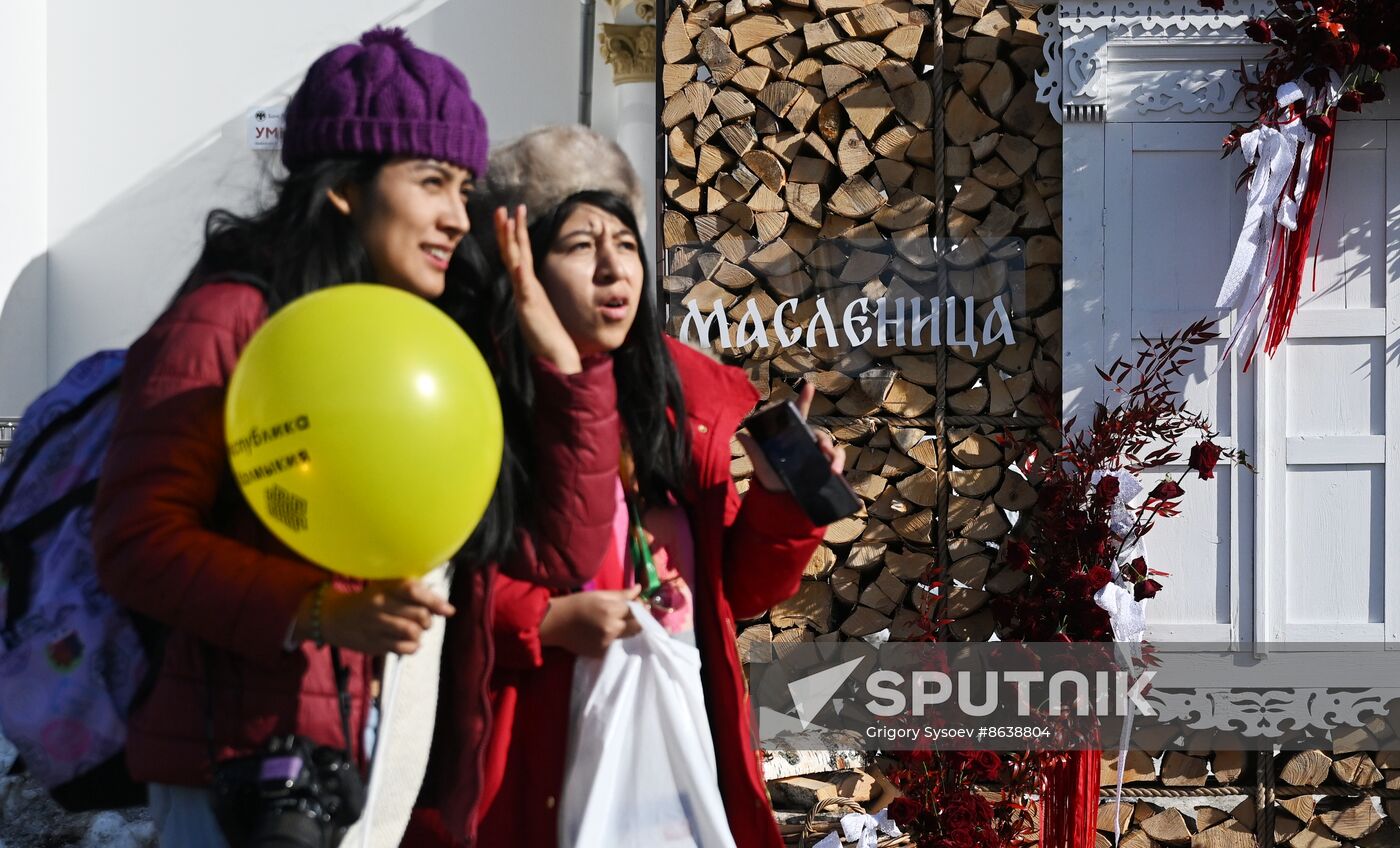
(265, 128)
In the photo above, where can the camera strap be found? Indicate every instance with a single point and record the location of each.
(342, 694)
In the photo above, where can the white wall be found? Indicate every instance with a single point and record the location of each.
(23, 157)
(604, 112)
(521, 57)
(146, 108)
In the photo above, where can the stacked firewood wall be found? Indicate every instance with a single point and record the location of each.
(1230, 799)
(804, 163)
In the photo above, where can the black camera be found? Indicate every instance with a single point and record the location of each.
(294, 794)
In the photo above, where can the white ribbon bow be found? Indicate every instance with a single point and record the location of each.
(862, 829)
(1274, 152)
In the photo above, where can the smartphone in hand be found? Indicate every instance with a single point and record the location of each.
(791, 448)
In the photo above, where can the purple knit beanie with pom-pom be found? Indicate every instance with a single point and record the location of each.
(385, 97)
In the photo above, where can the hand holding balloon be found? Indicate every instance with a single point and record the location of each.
(387, 616)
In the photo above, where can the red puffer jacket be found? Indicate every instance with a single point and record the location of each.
(230, 594)
(750, 554)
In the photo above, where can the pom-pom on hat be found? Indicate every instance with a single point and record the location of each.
(547, 166)
(383, 96)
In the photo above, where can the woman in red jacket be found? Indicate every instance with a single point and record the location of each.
(383, 142)
(499, 764)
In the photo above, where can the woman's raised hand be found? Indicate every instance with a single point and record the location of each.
(544, 333)
(763, 471)
(586, 623)
(387, 616)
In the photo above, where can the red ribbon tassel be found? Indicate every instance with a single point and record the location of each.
(1070, 803)
(1288, 283)
(1278, 245)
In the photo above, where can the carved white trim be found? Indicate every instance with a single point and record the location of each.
(1084, 59)
(1048, 81)
(1194, 91)
(1082, 30)
(1159, 16)
(1269, 714)
(1085, 113)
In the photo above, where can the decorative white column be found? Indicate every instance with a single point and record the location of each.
(630, 50)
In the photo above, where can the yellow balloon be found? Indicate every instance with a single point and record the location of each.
(364, 429)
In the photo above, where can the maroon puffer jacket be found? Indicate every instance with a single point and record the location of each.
(230, 594)
(750, 554)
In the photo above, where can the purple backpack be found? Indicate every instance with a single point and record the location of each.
(71, 659)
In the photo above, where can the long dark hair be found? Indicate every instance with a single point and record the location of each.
(649, 396)
(299, 244)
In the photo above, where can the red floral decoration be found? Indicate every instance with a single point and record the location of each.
(941, 806)
(1351, 37)
(1203, 458)
(1069, 553)
(1073, 547)
(1336, 51)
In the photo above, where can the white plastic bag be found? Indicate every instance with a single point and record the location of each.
(641, 767)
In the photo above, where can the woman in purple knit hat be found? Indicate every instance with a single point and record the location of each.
(383, 143)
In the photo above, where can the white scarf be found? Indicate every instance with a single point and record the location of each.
(408, 709)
